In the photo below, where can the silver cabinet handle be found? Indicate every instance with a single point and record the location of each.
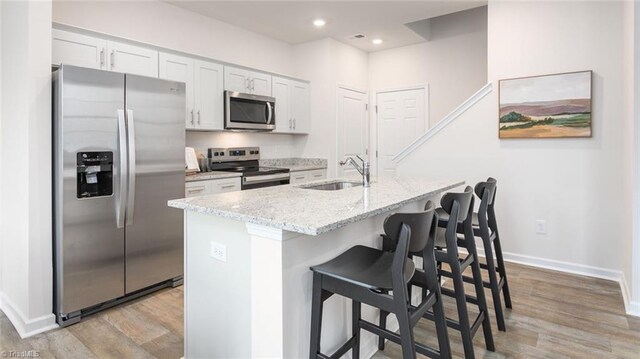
(228, 186)
(113, 59)
(122, 150)
(253, 87)
(131, 139)
(270, 118)
(290, 123)
(294, 123)
(198, 117)
(101, 58)
(192, 117)
(195, 190)
(247, 84)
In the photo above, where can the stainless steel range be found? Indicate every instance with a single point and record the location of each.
(246, 160)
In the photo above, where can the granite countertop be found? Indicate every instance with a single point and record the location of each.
(211, 176)
(313, 212)
(296, 164)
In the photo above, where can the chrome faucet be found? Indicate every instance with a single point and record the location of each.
(364, 169)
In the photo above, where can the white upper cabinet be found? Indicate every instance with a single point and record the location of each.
(204, 88)
(281, 92)
(247, 81)
(132, 59)
(209, 95)
(300, 107)
(180, 68)
(79, 50)
(292, 105)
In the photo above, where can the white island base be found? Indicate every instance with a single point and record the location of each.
(257, 304)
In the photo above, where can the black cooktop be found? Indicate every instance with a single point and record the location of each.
(248, 168)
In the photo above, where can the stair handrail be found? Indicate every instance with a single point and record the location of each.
(462, 108)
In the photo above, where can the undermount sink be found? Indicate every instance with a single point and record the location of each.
(333, 186)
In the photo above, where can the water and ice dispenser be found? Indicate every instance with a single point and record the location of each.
(94, 174)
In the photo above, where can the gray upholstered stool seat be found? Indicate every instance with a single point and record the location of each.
(364, 266)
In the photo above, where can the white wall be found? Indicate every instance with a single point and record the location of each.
(632, 268)
(165, 25)
(25, 149)
(327, 64)
(576, 185)
(453, 62)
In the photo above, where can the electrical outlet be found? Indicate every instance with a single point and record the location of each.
(219, 251)
(541, 226)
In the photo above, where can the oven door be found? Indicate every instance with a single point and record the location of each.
(260, 181)
(244, 111)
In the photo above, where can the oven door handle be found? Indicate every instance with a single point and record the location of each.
(265, 178)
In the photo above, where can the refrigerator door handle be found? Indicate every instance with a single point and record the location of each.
(131, 190)
(122, 150)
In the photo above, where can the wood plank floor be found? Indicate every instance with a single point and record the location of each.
(555, 315)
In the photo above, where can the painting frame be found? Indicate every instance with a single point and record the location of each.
(523, 135)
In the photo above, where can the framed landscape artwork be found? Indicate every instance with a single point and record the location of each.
(549, 106)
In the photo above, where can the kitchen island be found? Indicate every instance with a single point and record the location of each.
(247, 259)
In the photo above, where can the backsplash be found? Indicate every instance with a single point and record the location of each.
(271, 145)
(295, 161)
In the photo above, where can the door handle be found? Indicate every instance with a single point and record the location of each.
(198, 117)
(247, 84)
(270, 113)
(113, 59)
(192, 117)
(253, 87)
(122, 190)
(101, 58)
(131, 142)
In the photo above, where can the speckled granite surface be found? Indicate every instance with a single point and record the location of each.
(296, 164)
(211, 176)
(314, 212)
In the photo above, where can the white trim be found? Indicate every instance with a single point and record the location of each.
(26, 327)
(634, 291)
(631, 307)
(485, 90)
(351, 88)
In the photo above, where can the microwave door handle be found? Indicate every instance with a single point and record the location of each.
(131, 140)
(123, 172)
(270, 113)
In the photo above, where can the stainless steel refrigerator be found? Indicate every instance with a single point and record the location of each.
(118, 156)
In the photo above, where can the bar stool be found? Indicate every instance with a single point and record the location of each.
(485, 226)
(366, 275)
(457, 212)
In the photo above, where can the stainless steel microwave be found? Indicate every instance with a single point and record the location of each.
(243, 111)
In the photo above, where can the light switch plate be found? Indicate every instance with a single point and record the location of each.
(541, 226)
(219, 251)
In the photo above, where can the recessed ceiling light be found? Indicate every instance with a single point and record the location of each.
(376, 41)
(319, 22)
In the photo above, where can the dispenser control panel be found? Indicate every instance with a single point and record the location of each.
(94, 174)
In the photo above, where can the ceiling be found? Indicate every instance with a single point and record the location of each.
(291, 21)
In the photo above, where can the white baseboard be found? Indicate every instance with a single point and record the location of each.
(631, 307)
(26, 327)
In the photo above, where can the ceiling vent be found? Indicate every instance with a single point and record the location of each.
(355, 37)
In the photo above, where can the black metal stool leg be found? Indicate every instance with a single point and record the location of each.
(503, 271)
(440, 319)
(355, 328)
(383, 324)
(493, 281)
(479, 286)
(316, 316)
(463, 315)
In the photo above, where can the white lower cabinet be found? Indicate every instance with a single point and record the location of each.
(202, 188)
(307, 176)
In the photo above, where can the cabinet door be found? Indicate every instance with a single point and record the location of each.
(224, 185)
(209, 95)
(78, 50)
(299, 177)
(260, 84)
(194, 189)
(236, 79)
(132, 59)
(300, 111)
(180, 68)
(281, 92)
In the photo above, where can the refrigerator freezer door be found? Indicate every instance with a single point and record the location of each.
(154, 232)
(89, 246)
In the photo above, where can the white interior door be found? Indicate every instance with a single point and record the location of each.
(401, 119)
(351, 111)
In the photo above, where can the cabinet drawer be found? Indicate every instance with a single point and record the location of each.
(299, 177)
(224, 185)
(194, 189)
(317, 175)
